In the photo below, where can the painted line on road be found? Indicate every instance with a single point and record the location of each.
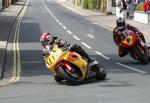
(76, 37)
(17, 67)
(90, 36)
(16, 74)
(60, 24)
(52, 15)
(69, 32)
(97, 52)
(49, 10)
(16, 58)
(3, 44)
(55, 18)
(64, 27)
(57, 21)
(86, 45)
(131, 68)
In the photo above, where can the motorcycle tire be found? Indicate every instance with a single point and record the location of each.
(141, 57)
(148, 56)
(70, 79)
(100, 73)
(58, 79)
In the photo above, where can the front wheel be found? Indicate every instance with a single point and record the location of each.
(100, 73)
(141, 55)
(58, 79)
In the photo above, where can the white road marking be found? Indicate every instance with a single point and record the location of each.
(60, 24)
(16, 52)
(3, 44)
(86, 45)
(90, 35)
(49, 10)
(76, 37)
(57, 21)
(52, 15)
(69, 32)
(97, 52)
(55, 18)
(64, 27)
(130, 68)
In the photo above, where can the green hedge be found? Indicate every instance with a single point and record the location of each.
(84, 4)
(77, 2)
(91, 4)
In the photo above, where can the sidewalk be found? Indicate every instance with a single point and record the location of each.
(7, 18)
(108, 21)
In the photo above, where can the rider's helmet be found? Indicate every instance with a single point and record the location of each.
(121, 23)
(46, 38)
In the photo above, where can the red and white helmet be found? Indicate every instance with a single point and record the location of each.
(46, 38)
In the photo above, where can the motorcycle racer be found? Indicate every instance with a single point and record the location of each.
(122, 29)
(48, 41)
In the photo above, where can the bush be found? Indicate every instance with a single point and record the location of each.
(91, 4)
(84, 4)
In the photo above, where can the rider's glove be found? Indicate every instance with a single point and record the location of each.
(66, 46)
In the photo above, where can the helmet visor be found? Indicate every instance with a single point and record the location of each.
(44, 43)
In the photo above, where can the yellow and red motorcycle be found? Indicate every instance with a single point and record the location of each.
(71, 67)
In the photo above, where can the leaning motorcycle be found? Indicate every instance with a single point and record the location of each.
(71, 67)
(133, 44)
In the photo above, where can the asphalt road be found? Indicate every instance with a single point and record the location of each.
(127, 80)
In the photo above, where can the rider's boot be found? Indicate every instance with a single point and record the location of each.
(92, 63)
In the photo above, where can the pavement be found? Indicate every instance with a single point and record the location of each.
(7, 19)
(102, 19)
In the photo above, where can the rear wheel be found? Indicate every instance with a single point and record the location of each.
(68, 76)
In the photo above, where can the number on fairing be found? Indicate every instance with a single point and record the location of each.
(54, 56)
